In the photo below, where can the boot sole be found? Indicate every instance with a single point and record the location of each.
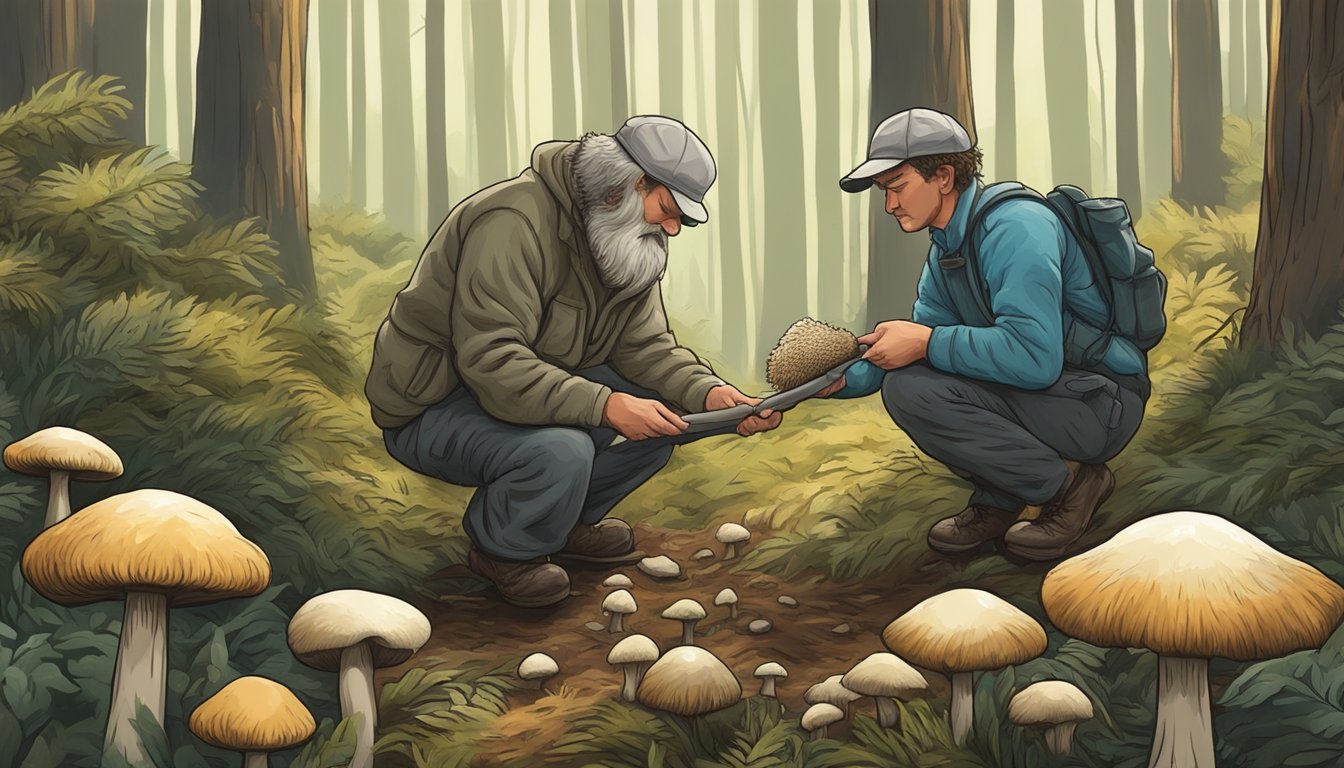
(1054, 553)
(628, 558)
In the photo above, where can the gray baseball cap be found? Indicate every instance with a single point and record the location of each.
(912, 133)
(672, 155)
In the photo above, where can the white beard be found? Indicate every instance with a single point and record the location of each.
(629, 251)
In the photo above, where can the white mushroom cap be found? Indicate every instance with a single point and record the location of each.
(1049, 702)
(725, 597)
(63, 449)
(618, 580)
(830, 691)
(689, 680)
(620, 601)
(732, 533)
(884, 674)
(633, 649)
(326, 625)
(1193, 585)
(685, 610)
(821, 715)
(965, 630)
(771, 669)
(538, 666)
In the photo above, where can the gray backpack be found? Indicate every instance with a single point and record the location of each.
(1132, 288)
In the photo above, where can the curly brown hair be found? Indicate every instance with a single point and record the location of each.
(965, 166)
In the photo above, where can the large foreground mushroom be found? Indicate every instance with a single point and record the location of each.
(961, 632)
(689, 680)
(155, 549)
(60, 454)
(255, 716)
(1190, 586)
(353, 631)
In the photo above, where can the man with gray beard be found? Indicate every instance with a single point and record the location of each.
(532, 333)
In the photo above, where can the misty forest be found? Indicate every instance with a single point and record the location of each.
(207, 206)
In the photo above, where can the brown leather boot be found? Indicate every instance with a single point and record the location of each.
(1063, 519)
(532, 583)
(970, 528)
(609, 542)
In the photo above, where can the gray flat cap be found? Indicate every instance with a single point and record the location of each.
(912, 133)
(672, 155)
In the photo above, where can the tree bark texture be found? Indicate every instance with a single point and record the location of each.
(1156, 182)
(1299, 254)
(727, 114)
(1197, 160)
(399, 182)
(334, 153)
(40, 40)
(249, 145)
(1066, 95)
(564, 98)
(437, 201)
(1255, 56)
(186, 76)
(830, 223)
(118, 48)
(1127, 156)
(1005, 96)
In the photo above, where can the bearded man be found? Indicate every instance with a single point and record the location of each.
(532, 332)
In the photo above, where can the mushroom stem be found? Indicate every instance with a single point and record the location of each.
(254, 760)
(768, 686)
(631, 681)
(962, 707)
(1059, 738)
(1184, 735)
(819, 733)
(732, 610)
(142, 657)
(888, 715)
(357, 700)
(688, 632)
(614, 625)
(729, 552)
(58, 497)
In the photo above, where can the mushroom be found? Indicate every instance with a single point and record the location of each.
(539, 667)
(730, 535)
(619, 580)
(634, 654)
(59, 453)
(255, 716)
(818, 716)
(884, 676)
(831, 691)
(729, 598)
(768, 673)
(689, 681)
(1191, 586)
(618, 605)
(688, 612)
(156, 549)
(353, 632)
(961, 632)
(1054, 706)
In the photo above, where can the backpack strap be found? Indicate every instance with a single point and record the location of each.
(966, 281)
(1066, 210)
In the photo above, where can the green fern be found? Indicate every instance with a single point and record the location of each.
(63, 118)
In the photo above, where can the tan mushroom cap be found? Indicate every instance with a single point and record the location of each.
(620, 601)
(884, 674)
(633, 649)
(771, 669)
(326, 625)
(84, 456)
(830, 691)
(732, 533)
(689, 680)
(821, 715)
(538, 666)
(725, 597)
(1195, 585)
(964, 630)
(145, 541)
(1049, 702)
(252, 714)
(685, 610)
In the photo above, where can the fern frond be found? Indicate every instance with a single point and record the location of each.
(71, 108)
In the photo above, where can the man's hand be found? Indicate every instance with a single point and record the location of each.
(768, 420)
(636, 418)
(727, 396)
(896, 344)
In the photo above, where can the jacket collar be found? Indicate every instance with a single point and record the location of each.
(950, 239)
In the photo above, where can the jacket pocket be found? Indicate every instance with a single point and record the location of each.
(561, 335)
(407, 371)
(1100, 394)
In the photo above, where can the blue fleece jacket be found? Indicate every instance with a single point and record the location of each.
(1034, 269)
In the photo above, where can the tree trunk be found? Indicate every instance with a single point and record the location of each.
(1066, 96)
(119, 50)
(620, 94)
(669, 57)
(1255, 84)
(487, 79)
(1299, 255)
(1236, 59)
(830, 268)
(934, 41)
(784, 296)
(727, 113)
(335, 138)
(156, 98)
(186, 76)
(1197, 160)
(1156, 91)
(1126, 108)
(564, 106)
(856, 288)
(39, 41)
(249, 144)
(437, 201)
(359, 110)
(394, 26)
(1005, 97)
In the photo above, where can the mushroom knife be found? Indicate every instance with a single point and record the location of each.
(780, 401)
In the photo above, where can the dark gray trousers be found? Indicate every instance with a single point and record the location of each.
(1011, 443)
(534, 484)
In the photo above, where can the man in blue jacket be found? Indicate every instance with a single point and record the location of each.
(995, 403)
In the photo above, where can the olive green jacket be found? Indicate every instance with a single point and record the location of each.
(506, 301)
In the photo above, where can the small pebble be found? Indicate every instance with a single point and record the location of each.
(661, 567)
(788, 601)
(618, 580)
(840, 629)
(595, 626)
(703, 554)
(759, 626)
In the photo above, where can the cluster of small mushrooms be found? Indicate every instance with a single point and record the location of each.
(156, 550)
